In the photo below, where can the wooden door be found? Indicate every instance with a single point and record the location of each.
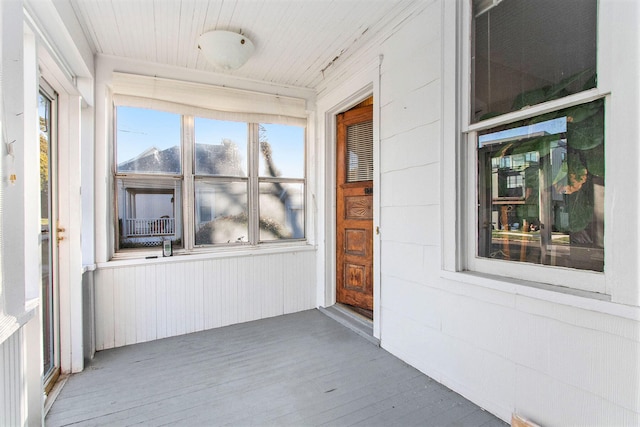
(354, 217)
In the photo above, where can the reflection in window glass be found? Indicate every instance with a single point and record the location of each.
(148, 141)
(148, 212)
(541, 189)
(221, 147)
(281, 211)
(528, 52)
(281, 151)
(221, 212)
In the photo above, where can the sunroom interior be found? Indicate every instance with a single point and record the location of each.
(433, 170)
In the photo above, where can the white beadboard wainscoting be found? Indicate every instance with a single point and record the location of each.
(12, 381)
(144, 302)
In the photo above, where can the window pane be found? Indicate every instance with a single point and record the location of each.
(221, 212)
(360, 152)
(528, 52)
(281, 211)
(221, 147)
(148, 141)
(281, 151)
(541, 189)
(149, 211)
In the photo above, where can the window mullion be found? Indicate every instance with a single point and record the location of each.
(188, 143)
(253, 186)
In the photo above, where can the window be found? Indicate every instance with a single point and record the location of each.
(247, 181)
(281, 182)
(544, 205)
(528, 52)
(222, 184)
(148, 178)
(539, 176)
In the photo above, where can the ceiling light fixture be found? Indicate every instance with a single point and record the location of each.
(225, 49)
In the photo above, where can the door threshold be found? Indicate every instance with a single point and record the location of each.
(51, 396)
(352, 320)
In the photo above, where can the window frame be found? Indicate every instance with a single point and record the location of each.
(150, 177)
(189, 178)
(465, 258)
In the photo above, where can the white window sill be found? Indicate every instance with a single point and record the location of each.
(550, 293)
(153, 257)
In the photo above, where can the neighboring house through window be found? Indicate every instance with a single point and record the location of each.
(148, 178)
(244, 182)
(539, 176)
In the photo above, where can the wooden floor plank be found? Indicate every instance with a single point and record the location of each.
(299, 369)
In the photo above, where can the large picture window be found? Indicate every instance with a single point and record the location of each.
(220, 182)
(540, 178)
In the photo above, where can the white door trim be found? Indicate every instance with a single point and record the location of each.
(328, 297)
(69, 214)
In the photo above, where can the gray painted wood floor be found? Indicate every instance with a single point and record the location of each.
(300, 369)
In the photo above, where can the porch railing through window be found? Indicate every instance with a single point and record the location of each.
(149, 227)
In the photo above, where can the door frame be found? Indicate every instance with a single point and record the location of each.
(328, 296)
(70, 264)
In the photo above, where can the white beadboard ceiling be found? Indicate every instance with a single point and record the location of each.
(298, 42)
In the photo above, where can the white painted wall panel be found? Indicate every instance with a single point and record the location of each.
(298, 296)
(423, 143)
(161, 299)
(596, 362)
(13, 387)
(411, 224)
(563, 404)
(400, 188)
(403, 260)
(411, 110)
(557, 361)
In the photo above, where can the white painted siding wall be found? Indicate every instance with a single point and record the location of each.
(554, 358)
(13, 377)
(138, 303)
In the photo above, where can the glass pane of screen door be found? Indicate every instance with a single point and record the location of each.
(47, 231)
